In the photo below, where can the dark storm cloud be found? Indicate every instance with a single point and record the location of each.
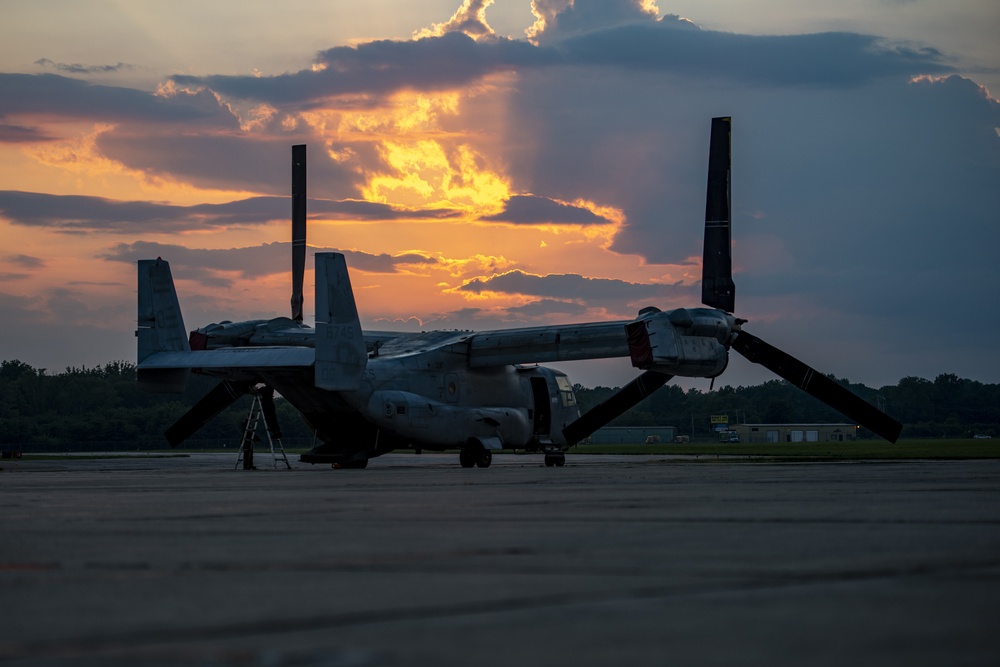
(51, 94)
(21, 134)
(258, 162)
(77, 68)
(826, 59)
(26, 261)
(567, 287)
(529, 209)
(21, 262)
(251, 262)
(77, 213)
(384, 66)
(454, 59)
(563, 19)
(547, 307)
(625, 34)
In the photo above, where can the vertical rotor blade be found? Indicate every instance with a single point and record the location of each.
(817, 385)
(717, 287)
(298, 228)
(617, 404)
(218, 399)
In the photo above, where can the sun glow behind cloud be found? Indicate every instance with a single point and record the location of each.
(413, 151)
(424, 173)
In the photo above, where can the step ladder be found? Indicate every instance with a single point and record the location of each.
(254, 418)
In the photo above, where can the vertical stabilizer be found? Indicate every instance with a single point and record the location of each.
(717, 287)
(341, 356)
(298, 228)
(161, 326)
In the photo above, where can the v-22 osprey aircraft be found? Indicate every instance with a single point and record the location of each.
(366, 393)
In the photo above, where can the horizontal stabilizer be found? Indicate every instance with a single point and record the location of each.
(233, 357)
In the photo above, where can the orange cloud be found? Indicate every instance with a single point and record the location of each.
(76, 165)
(469, 19)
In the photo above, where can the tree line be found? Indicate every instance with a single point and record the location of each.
(84, 408)
(102, 407)
(947, 406)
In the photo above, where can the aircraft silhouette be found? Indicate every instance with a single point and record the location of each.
(368, 393)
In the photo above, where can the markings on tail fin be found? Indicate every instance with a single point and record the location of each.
(160, 324)
(341, 356)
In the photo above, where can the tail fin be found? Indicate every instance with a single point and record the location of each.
(341, 356)
(161, 327)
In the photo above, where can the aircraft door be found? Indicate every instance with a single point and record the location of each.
(542, 406)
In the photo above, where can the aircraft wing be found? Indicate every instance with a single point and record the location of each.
(572, 342)
(232, 357)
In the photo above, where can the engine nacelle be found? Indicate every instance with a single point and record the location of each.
(690, 342)
(277, 331)
(423, 420)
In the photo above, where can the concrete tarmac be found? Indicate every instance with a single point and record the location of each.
(638, 560)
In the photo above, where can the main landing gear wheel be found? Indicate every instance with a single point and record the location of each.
(485, 459)
(555, 460)
(474, 456)
(467, 458)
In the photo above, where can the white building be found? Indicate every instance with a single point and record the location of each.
(796, 432)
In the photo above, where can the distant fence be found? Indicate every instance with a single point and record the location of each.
(149, 445)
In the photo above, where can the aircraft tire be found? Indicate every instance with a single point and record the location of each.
(485, 459)
(558, 459)
(467, 458)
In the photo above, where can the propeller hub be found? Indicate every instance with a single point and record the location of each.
(691, 342)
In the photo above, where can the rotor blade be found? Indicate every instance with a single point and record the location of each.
(218, 399)
(817, 385)
(615, 405)
(717, 287)
(298, 228)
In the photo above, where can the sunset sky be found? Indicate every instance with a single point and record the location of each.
(509, 163)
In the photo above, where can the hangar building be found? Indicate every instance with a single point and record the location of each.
(633, 435)
(796, 432)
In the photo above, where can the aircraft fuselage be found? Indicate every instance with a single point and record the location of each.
(427, 397)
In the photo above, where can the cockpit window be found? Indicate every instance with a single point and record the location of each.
(565, 391)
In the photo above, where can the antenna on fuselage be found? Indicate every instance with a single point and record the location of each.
(298, 228)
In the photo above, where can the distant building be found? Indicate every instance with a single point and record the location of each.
(633, 435)
(796, 432)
